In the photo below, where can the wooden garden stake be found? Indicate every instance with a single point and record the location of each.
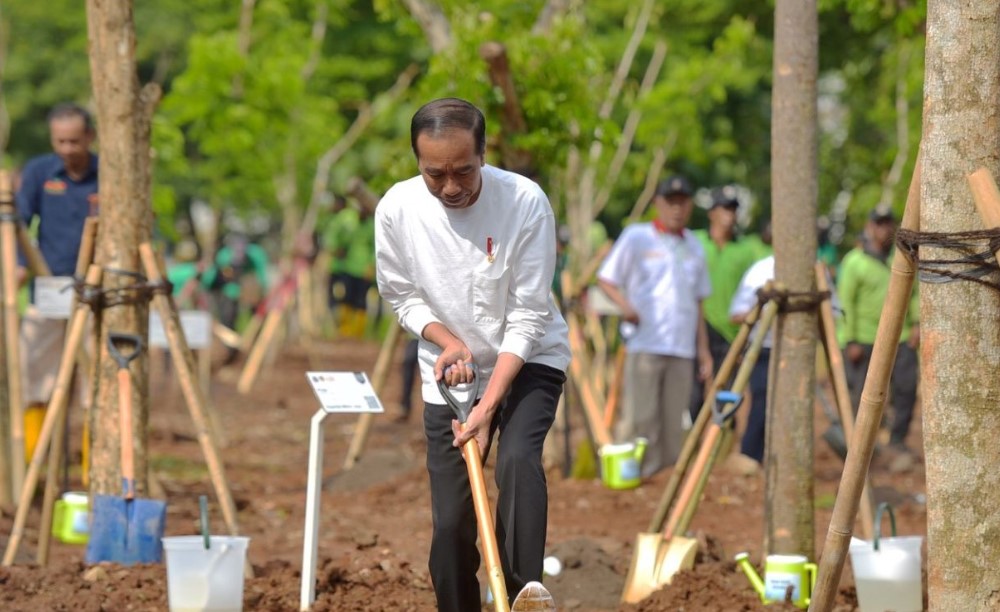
(379, 376)
(835, 363)
(84, 258)
(859, 451)
(11, 327)
(57, 406)
(987, 198)
(183, 360)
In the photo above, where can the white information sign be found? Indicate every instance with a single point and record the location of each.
(196, 325)
(54, 296)
(344, 391)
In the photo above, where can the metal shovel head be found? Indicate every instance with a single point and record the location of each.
(676, 556)
(126, 531)
(641, 578)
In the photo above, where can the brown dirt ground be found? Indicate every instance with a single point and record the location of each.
(375, 522)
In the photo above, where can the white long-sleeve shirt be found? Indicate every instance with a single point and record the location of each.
(484, 272)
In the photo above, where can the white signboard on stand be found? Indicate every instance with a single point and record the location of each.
(54, 296)
(337, 392)
(344, 391)
(196, 325)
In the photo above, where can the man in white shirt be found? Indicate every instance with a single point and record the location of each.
(465, 254)
(745, 298)
(656, 273)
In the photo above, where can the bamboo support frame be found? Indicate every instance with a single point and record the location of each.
(12, 330)
(838, 379)
(83, 260)
(183, 360)
(379, 377)
(57, 406)
(873, 395)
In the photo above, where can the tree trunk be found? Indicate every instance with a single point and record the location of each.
(123, 116)
(789, 460)
(960, 320)
(511, 118)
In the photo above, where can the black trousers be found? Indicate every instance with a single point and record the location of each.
(523, 419)
(902, 386)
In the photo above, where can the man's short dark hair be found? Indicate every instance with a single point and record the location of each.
(67, 110)
(445, 114)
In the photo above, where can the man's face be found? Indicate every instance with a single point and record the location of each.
(450, 167)
(882, 233)
(71, 141)
(673, 211)
(723, 216)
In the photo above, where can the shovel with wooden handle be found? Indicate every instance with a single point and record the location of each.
(481, 501)
(126, 529)
(657, 562)
(648, 542)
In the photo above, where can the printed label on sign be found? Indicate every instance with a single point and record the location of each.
(54, 296)
(344, 391)
(196, 325)
(776, 585)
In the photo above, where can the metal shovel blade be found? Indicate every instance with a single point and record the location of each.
(639, 582)
(126, 531)
(676, 556)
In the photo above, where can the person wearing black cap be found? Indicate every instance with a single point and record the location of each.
(728, 257)
(862, 285)
(656, 275)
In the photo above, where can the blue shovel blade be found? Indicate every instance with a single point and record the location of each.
(126, 531)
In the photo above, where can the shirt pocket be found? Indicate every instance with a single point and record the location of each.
(489, 293)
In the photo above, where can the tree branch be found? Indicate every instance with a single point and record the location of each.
(316, 36)
(631, 125)
(432, 21)
(552, 10)
(511, 119)
(243, 41)
(652, 176)
(321, 180)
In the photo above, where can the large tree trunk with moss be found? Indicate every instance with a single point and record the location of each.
(124, 113)
(960, 321)
(789, 458)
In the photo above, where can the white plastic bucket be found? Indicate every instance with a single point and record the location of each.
(888, 578)
(205, 580)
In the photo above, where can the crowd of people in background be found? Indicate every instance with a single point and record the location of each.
(682, 292)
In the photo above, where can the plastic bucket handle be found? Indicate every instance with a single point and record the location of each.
(884, 506)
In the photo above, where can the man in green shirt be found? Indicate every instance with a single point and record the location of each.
(728, 258)
(862, 285)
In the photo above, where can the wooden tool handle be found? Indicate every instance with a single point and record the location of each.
(125, 425)
(484, 520)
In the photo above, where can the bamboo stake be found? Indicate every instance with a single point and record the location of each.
(83, 260)
(57, 406)
(835, 364)
(260, 348)
(379, 376)
(183, 360)
(588, 396)
(615, 391)
(859, 452)
(987, 198)
(12, 332)
(32, 256)
(704, 415)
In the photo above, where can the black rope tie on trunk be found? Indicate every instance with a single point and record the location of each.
(973, 256)
(793, 301)
(139, 292)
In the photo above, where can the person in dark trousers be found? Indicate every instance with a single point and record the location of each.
(862, 285)
(465, 254)
(60, 191)
(728, 257)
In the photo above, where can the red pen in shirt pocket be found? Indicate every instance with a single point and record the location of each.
(490, 255)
